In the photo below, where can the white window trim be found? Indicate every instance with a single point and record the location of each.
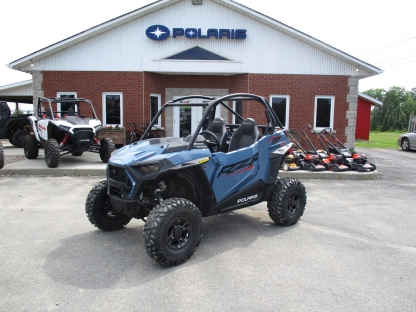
(332, 111)
(159, 104)
(59, 94)
(121, 107)
(287, 106)
(234, 108)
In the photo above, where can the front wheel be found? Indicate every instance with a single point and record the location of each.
(287, 202)
(107, 147)
(173, 231)
(100, 210)
(30, 147)
(405, 144)
(18, 137)
(52, 154)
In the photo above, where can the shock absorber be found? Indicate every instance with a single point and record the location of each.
(64, 140)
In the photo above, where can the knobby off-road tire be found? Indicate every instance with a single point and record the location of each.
(287, 202)
(173, 231)
(18, 137)
(1, 155)
(30, 147)
(100, 211)
(52, 154)
(107, 147)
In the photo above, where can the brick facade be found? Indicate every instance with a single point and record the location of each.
(137, 87)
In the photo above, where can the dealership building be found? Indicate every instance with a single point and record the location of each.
(131, 65)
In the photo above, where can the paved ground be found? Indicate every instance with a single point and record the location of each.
(353, 250)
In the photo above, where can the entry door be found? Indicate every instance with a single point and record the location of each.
(186, 118)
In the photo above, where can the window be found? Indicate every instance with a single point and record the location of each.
(197, 53)
(324, 112)
(280, 105)
(63, 107)
(113, 108)
(238, 108)
(155, 100)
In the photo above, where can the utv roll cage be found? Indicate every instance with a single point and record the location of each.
(51, 114)
(211, 103)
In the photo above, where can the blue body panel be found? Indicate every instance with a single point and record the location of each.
(226, 172)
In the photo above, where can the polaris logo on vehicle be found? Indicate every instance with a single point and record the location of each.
(242, 200)
(160, 32)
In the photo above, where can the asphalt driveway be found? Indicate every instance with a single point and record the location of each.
(354, 249)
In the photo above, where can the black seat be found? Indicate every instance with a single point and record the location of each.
(217, 127)
(245, 135)
(70, 112)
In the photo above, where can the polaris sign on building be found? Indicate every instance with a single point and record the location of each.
(160, 32)
(132, 64)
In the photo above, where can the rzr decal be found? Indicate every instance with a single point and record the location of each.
(274, 139)
(244, 165)
(42, 127)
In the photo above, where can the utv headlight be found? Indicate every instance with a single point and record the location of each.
(64, 128)
(149, 169)
(96, 128)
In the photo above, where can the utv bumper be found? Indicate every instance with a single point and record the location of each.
(127, 206)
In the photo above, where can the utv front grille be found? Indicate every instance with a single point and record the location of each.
(83, 135)
(118, 174)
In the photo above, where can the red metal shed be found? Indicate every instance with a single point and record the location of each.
(365, 102)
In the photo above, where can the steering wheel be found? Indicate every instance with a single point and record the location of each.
(213, 146)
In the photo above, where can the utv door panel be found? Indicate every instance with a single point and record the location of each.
(235, 170)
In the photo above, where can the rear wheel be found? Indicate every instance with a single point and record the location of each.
(107, 147)
(30, 147)
(360, 168)
(52, 155)
(287, 202)
(311, 167)
(405, 144)
(18, 137)
(173, 231)
(1, 155)
(374, 166)
(100, 210)
(335, 168)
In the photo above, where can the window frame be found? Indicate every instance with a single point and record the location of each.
(104, 94)
(235, 109)
(332, 98)
(287, 96)
(59, 94)
(159, 105)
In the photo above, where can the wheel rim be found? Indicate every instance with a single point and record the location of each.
(179, 233)
(293, 203)
(405, 144)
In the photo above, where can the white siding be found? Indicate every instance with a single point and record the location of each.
(265, 51)
(24, 89)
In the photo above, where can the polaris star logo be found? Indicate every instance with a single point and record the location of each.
(245, 199)
(160, 32)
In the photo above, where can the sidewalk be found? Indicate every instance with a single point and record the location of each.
(90, 164)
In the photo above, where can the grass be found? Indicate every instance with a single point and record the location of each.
(380, 140)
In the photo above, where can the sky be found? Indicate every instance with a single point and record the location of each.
(379, 32)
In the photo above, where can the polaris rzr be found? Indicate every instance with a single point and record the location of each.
(65, 130)
(171, 183)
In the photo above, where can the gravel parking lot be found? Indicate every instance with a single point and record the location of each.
(354, 249)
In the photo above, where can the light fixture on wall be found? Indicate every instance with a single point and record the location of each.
(31, 63)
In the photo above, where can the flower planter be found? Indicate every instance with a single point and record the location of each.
(118, 136)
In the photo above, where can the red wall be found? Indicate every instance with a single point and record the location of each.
(362, 130)
(137, 86)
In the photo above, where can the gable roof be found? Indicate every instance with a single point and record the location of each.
(369, 99)
(158, 5)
